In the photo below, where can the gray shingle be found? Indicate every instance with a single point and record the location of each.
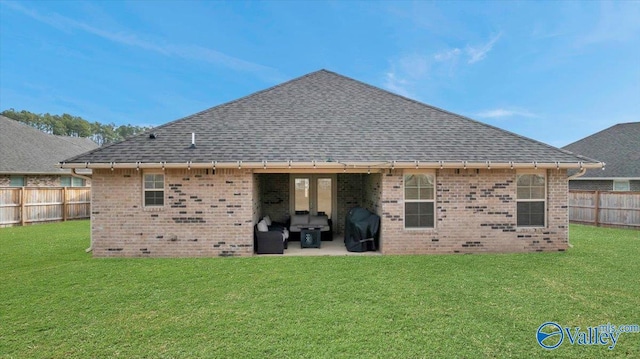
(24, 149)
(618, 146)
(322, 116)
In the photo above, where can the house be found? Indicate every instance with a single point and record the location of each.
(619, 147)
(29, 157)
(440, 182)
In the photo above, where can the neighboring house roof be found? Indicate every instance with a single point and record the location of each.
(26, 150)
(324, 117)
(618, 146)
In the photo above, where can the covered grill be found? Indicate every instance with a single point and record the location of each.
(361, 230)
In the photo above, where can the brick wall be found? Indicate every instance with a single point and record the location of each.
(372, 196)
(274, 195)
(204, 214)
(255, 198)
(475, 212)
(213, 215)
(350, 194)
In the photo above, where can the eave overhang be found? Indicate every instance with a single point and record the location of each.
(355, 166)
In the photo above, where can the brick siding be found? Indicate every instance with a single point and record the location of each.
(204, 214)
(213, 214)
(274, 196)
(475, 212)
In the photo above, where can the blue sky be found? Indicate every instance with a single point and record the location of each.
(552, 71)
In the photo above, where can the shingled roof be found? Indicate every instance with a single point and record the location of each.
(618, 146)
(324, 117)
(26, 150)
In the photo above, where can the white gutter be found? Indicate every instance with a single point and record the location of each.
(337, 165)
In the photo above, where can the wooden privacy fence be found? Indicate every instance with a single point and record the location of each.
(23, 205)
(620, 209)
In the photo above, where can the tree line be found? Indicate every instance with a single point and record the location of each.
(74, 126)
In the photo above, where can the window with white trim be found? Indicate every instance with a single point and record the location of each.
(619, 185)
(531, 200)
(153, 190)
(419, 200)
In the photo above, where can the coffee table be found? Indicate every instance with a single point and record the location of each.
(310, 237)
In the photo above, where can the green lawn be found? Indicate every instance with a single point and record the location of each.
(58, 302)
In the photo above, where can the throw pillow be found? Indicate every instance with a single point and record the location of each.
(262, 226)
(268, 220)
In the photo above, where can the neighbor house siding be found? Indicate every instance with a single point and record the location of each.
(591, 185)
(204, 214)
(36, 180)
(475, 212)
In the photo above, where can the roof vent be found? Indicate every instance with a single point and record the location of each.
(193, 140)
(152, 136)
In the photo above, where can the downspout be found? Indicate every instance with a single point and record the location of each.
(75, 174)
(579, 174)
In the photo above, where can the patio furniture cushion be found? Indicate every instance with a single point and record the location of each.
(262, 226)
(300, 221)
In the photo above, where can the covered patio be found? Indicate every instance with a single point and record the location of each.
(281, 195)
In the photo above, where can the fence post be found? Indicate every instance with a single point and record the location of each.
(64, 204)
(22, 207)
(597, 208)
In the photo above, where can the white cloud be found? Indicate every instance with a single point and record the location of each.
(502, 113)
(617, 22)
(478, 53)
(405, 72)
(192, 52)
(395, 84)
(447, 55)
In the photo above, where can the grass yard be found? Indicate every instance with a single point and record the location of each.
(58, 302)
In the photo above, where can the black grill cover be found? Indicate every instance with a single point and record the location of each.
(361, 230)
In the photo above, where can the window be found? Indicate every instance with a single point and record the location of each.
(621, 185)
(153, 190)
(68, 181)
(16, 181)
(419, 201)
(531, 200)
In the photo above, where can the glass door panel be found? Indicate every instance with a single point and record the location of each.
(301, 194)
(324, 197)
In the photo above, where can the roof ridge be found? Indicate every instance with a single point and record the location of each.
(463, 117)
